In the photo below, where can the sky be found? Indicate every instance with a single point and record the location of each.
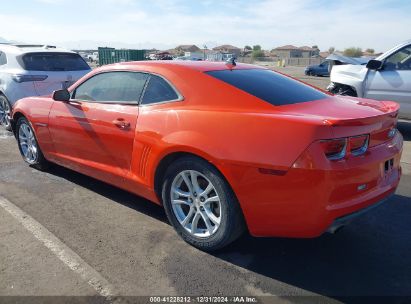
(165, 24)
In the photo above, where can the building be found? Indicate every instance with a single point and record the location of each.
(308, 52)
(182, 49)
(228, 49)
(286, 51)
(291, 51)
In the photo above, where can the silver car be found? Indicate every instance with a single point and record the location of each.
(35, 70)
(388, 77)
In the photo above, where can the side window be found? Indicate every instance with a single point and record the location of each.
(121, 87)
(401, 60)
(158, 90)
(3, 59)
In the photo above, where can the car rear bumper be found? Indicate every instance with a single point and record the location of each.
(347, 219)
(306, 202)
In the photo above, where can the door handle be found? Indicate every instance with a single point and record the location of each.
(121, 123)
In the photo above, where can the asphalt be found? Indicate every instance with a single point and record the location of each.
(126, 241)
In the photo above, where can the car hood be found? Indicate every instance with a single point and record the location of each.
(348, 72)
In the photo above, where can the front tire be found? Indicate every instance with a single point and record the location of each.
(28, 145)
(200, 204)
(5, 111)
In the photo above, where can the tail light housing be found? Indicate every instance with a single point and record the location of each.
(335, 149)
(339, 148)
(359, 144)
(26, 78)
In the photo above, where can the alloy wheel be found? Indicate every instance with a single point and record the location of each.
(196, 203)
(4, 113)
(28, 144)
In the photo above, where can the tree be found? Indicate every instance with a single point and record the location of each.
(315, 47)
(258, 53)
(371, 51)
(257, 47)
(248, 48)
(353, 52)
(331, 50)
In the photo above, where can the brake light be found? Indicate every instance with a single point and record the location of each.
(26, 78)
(334, 149)
(359, 144)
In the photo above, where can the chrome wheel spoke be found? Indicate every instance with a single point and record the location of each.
(182, 193)
(194, 182)
(212, 217)
(26, 152)
(180, 202)
(211, 200)
(29, 153)
(188, 217)
(207, 190)
(194, 223)
(187, 182)
(207, 222)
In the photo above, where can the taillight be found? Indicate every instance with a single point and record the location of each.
(25, 78)
(359, 144)
(334, 149)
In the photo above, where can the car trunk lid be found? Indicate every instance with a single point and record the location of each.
(348, 116)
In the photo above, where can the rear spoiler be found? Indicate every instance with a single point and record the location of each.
(390, 111)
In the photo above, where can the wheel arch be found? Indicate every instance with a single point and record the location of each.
(167, 159)
(171, 157)
(16, 116)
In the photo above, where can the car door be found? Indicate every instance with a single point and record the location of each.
(324, 68)
(392, 81)
(94, 132)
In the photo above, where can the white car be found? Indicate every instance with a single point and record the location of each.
(388, 77)
(35, 70)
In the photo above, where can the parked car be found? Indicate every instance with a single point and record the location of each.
(222, 147)
(321, 69)
(32, 70)
(388, 77)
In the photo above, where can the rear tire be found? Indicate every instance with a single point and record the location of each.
(200, 204)
(28, 145)
(5, 111)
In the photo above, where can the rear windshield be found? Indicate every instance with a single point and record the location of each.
(53, 62)
(269, 86)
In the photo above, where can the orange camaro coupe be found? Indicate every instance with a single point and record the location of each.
(223, 147)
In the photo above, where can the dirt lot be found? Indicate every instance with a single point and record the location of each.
(298, 72)
(63, 234)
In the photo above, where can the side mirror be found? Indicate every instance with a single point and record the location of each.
(374, 64)
(61, 95)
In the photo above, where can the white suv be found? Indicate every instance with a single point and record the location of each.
(35, 70)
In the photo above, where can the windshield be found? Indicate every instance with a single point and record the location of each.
(269, 86)
(53, 62)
